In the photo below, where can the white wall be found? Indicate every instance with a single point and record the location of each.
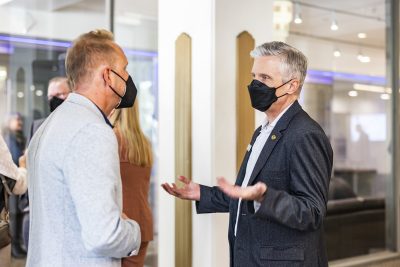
(196, 19)
(213, 26)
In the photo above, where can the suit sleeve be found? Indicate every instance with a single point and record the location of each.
(212, 200)
(304, 207)
(93, 179)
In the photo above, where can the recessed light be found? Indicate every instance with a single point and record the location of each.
(334, 26)
(362, 35)
(385, 96)
(353, 93)
(363, 59)
(298, 20)
(337, 53)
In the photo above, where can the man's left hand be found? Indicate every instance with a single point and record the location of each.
(254, 192)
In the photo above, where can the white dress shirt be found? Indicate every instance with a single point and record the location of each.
(266, 129)
(9, 169)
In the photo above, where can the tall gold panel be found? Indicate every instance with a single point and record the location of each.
(183, 147)
(244, 112)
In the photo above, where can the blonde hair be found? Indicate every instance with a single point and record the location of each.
(138, 147)
(86, 53)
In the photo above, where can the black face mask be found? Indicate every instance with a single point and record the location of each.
(263, 96)
(128, 99)
(54, 102)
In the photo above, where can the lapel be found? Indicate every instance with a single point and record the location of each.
(242, 170)
(274, 138)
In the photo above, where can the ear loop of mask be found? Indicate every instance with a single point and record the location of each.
(120, 97)
(281, 86)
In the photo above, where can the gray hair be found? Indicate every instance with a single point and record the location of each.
(294, 63)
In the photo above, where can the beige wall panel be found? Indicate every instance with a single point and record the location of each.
(183, 147)
(244, 112)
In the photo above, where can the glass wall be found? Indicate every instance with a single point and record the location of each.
(346, 93)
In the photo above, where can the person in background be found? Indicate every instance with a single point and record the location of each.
(10, 170)
(136, 161)
(16, 141)
(57, 91)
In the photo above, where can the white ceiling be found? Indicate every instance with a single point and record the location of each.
(353, 17)
(146, 8)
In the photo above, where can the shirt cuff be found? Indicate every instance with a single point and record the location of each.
(257, 205)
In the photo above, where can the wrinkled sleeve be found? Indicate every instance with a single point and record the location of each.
(92, 174)
(212, 199)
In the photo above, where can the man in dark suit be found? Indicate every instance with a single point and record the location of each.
(57, 91)
(278, 202)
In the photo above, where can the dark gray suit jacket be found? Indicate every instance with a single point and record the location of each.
(287, 230)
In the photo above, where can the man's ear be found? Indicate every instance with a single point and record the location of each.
(106, 76)
(294, 87)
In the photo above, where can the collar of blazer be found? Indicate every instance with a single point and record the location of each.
(274, 138)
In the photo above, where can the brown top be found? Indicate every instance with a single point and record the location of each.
(135, 192)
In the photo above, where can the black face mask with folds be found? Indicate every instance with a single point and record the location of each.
(128, 99)
(54, 102)
(262, 96)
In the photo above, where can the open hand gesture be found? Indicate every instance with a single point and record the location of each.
(189, 191)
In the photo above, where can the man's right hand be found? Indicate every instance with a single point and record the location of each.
(189, 191)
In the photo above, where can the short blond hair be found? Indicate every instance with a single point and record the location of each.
(86, 53)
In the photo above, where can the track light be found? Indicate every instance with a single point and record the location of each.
(297, 15)
(334, 25)
(337, 53)
(362, 58)
(353, 93)
(362, 35)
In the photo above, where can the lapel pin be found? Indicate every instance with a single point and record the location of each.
(273, 137)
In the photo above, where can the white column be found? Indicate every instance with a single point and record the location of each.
(213, 27)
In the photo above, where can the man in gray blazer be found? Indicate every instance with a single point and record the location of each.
(74, 179)
(278, 202)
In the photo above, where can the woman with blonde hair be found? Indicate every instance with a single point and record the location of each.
(136, 161)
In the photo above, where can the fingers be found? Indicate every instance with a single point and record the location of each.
(184, 180)
(173, 190)
(221, 181)
(168, 189)
(229, 189)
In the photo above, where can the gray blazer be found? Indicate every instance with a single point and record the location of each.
(287, 229)
(75, 191)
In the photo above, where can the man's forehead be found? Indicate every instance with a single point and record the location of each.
(120, 53)
(266, 64)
